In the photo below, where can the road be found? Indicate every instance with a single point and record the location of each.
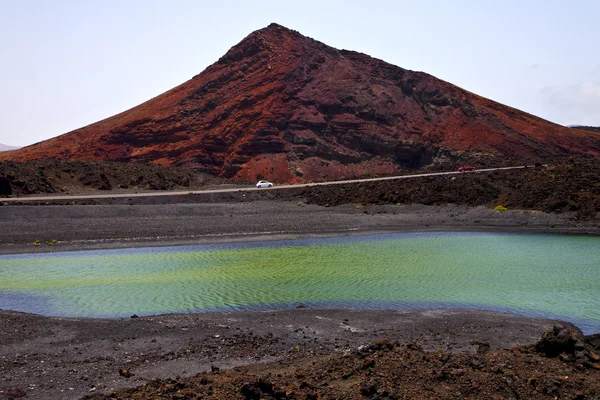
(181, 193)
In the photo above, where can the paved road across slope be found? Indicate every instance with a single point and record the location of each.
(179, 193)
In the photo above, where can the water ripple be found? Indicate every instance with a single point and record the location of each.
(548, 275)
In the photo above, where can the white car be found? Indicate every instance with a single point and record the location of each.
(264, 184)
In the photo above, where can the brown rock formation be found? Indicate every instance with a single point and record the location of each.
(289, 108)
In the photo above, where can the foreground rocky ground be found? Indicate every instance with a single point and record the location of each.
(301, 353)
(392, 370)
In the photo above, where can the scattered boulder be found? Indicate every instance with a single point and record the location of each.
(261, 388)
(560, 340)
(125, 373)
(482, 347)
(569, 344)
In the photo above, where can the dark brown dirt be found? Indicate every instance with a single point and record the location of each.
(393, 370)
(303, 352)
(387, 371)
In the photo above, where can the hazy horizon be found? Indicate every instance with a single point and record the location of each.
(69, 64)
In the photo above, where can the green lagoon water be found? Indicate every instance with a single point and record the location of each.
(529, 274)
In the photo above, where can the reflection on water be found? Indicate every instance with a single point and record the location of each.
(539, 275)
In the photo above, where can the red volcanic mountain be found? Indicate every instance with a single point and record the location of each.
(290, 108)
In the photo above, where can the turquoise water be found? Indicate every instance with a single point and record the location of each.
(529, 274)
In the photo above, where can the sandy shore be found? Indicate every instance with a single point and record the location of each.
(58, 358)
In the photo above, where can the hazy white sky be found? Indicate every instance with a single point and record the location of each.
(67, 63)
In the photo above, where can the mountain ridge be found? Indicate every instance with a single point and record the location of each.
(287, 107)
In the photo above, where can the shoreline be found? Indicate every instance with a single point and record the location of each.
(160, 242)
(143, 243)
(587, 326)
(98, 227)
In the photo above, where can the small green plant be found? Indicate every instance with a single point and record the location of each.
(36, 243)
(358, 206)
(500, 208)
(300, 204)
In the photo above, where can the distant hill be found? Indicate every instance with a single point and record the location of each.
(587, 128)
(288, 108)
(4, 147)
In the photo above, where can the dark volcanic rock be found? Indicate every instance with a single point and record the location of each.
(568, 343)
(289, 108)
(568, 187)
(5, 187)
(560, 340)
(56, 176)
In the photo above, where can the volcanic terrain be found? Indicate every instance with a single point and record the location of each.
(288, 108)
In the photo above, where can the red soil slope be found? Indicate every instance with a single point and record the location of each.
(289, 108)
